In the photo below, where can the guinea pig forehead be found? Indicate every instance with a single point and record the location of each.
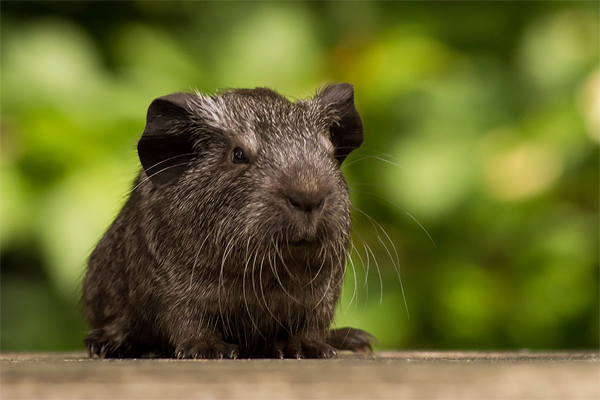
(232, 121)
(298, 133)
(310, 128)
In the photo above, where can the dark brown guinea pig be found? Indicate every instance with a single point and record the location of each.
(234, 239)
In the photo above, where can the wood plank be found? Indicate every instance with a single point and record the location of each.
(387, 375)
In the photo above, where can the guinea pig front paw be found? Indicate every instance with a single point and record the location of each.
(96, 348)
(301, 347)
(352, 339)
(207, 349)
(100, 345)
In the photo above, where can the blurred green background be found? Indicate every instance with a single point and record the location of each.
(481, 131)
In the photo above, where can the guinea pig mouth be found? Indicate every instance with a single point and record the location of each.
(299, 243)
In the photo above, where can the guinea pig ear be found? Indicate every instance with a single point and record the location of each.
(347, 130)
(165, 148)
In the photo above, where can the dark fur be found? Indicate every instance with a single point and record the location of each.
(216, 256)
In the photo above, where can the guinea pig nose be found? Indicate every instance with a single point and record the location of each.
(305, 203)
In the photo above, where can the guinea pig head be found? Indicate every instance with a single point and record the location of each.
(247, 172)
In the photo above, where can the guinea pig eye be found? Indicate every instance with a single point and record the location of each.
(239, 157)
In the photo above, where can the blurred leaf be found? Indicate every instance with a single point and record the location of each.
(275, 46)
(481, 136)
(33, 318)
(50, 62)
(557, 48)
(77, 212)
(153, 62)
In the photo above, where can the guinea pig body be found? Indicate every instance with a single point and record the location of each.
(233, 241)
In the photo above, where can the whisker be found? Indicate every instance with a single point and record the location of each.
(148, 177)
(401, 209)
(244, 292)
(263, 295)
(373, 157)
(196, 261)
(318, 272)
(171, 158)
(274, 269)
(366, 151)
(365, 265)
(365, 269)
(396, 262)
(355, 287)
(221, 284)
(368, 251)
(284, 263)
(256, 252)
(326, 291)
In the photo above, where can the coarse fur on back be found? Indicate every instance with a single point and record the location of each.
(234, 238)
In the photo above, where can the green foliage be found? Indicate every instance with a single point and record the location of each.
(477, 183)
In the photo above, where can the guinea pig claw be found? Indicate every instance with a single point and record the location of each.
(328, 353)
(233, 354)
(278, 351)
(103, 351)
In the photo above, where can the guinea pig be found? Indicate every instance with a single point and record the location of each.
(234, 239)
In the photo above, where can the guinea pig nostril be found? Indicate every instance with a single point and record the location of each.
(305, 203)
(294, 202)
(320, 204)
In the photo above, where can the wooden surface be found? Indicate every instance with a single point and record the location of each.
(388, 375)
